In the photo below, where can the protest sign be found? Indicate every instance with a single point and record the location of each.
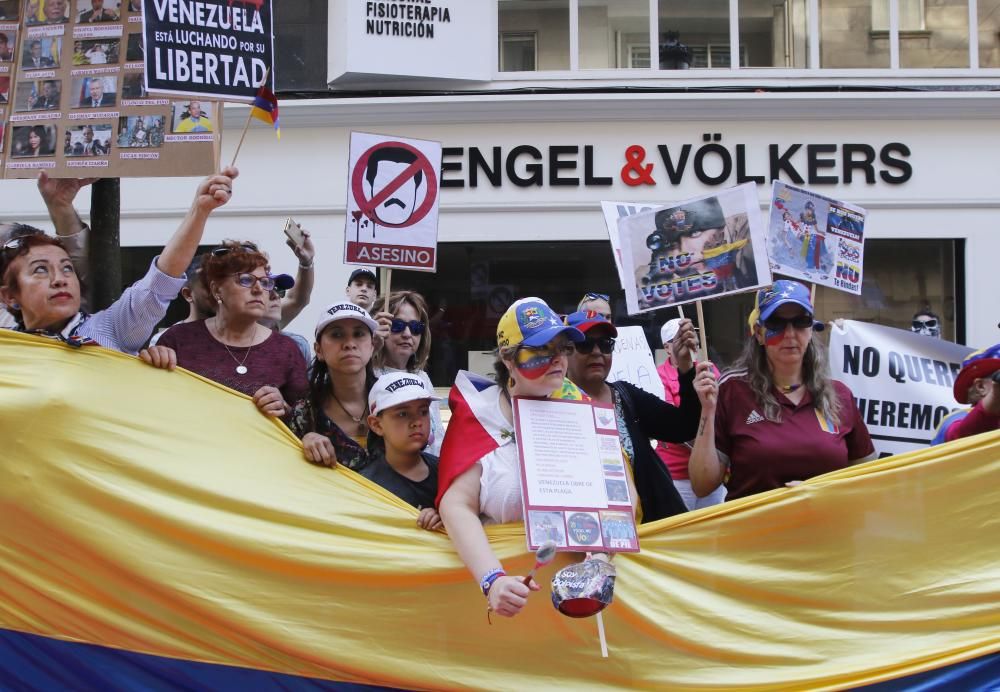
(613, 211)
(815, 238)
(632, 361)
(209, 48)
(902, 381)
(704, 247)
(392, 202)
(574, 484)
(76, 104)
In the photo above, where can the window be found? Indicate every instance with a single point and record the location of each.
(638, 56)
(693, 34)
(518, 51)
(773, 33)
(547, 23)
(911, 15)
(607, 28)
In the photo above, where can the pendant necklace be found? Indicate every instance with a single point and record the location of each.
(789, 388)
(362, 427)
(241, 369)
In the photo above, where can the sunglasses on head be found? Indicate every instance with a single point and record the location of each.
(226, 249)
(605, 343)
(920, 324)
(398, 326)
(248, 280)
(779, 324)
(597, 296)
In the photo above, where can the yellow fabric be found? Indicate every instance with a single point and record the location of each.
(160, 513)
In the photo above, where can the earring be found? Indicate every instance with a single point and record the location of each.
(511, 383)
(15, 306)
(218, 298)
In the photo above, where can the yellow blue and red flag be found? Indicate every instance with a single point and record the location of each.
(265, 108)
(158, 533)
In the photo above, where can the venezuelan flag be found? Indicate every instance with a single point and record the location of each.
(265, 108)
(158, 533)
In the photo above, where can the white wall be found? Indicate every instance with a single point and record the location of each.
(952, 193)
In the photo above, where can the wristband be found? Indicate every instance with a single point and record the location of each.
(487, 581)
(306, 266)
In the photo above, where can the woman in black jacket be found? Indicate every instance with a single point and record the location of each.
(640, 415)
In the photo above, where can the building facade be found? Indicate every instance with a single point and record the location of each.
(543, 108)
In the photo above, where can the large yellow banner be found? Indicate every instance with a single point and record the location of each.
(156, 512)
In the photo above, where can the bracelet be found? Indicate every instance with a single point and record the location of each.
(487, 581)
(306, 266)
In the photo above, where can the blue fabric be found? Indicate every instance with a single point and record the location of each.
(976, 675)
(946, 422)
(29, 662)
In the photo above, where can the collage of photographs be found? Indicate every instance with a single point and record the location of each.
(72, 95)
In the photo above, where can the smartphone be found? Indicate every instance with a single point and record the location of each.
(294, 232)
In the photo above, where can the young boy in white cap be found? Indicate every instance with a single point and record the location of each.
(399, 412)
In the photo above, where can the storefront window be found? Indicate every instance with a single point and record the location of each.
(300, 35)
(989, 33)
(935, 35)
(694, 34)
(533, 35)
(773, 34)
(614, 34)
(847, 38)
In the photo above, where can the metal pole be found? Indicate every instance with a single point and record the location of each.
(104, 247)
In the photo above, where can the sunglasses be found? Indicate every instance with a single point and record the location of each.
(597, 296)
(226, 249)
(920, 324)
(779, 324)
(277, 293)
(398, 326)
(248, 280)
(534, 362)
(605, 343)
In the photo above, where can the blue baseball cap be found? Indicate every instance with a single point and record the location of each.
(282, 282)
(977, 364)
(585, 320)
(782, 292)
(531, 322)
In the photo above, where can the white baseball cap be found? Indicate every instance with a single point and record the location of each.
(669, 330)
(395, 388)
(344, 311)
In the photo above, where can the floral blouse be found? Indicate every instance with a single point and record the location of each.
(304, 419)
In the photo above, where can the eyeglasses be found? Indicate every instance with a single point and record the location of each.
(597, 296)
(248, 280)
(779, 324)
(921, 324)
(277, 293)
(398, 326)
(605, 343)
(226, 249)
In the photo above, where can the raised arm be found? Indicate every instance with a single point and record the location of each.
(298, 296)
(58, 195)
(707, 466)
(212, 193)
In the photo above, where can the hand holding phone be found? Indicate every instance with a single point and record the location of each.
(294, 232)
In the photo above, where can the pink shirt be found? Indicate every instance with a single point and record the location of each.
(674, 455)
(765, 455)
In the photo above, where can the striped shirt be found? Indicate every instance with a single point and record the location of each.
(128, 323)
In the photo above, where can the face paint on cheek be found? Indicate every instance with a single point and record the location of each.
(533, 365)
(773, 338)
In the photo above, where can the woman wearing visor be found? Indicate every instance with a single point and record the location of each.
(479, 472)
(640, 415)
(232, 348)
(779, 418)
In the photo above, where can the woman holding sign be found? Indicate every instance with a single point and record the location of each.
(479, 472)
(779, 418)
(640, 415)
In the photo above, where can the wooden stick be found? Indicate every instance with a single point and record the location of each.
(680, 309)
(703, 341)
(246, 125)
(812, 296)
(386, 286)
(600, 634)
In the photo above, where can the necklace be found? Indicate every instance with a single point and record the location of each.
(789, 388)
(240, 368)
(357, 419)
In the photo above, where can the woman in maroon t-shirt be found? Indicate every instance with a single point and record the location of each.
(779, 418)
(231, 348)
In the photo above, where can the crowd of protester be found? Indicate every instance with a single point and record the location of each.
(358, 394)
